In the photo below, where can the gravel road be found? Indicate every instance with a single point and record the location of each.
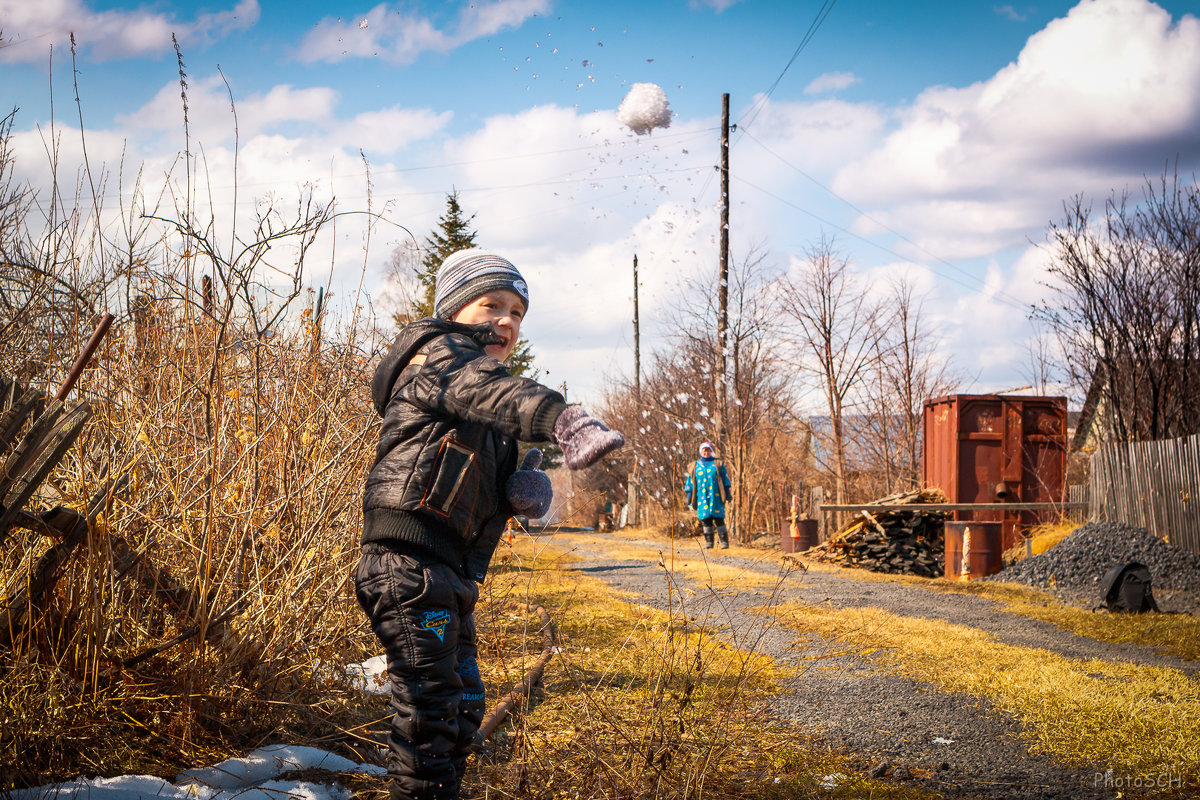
(958, 745)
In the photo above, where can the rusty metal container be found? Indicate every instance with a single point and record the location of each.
(807, 530)
(973, 549)
(997, 449)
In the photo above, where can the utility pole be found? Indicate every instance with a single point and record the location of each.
(723, 285)
(637, 347)
(634, 492)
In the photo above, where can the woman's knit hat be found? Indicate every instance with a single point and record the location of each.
(466, 274)
(708, 446)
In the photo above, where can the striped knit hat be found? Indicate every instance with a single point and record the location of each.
(466, 274)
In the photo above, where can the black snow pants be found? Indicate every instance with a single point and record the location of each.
(423, 612)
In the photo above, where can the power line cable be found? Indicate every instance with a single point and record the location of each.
(999, 295)
(822, 14)
(1003, 296)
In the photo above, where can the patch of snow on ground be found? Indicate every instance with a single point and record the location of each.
(250, 778)
(370, 676)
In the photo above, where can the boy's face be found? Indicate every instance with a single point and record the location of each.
(504, 309)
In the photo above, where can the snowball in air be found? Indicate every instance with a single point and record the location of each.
(645, 108)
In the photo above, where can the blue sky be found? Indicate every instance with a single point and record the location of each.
(931, 139)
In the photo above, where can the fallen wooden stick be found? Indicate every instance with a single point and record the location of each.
(498, 713)
(215, 624)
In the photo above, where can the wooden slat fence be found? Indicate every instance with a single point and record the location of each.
(1151, 485)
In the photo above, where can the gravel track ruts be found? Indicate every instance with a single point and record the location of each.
(849, 701)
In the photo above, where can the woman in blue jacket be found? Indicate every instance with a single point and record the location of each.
(707, 489)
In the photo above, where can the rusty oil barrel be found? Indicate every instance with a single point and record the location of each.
(807, 530)
(982, 544)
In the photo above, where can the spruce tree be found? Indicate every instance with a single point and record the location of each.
(453, 233)
(520, 361)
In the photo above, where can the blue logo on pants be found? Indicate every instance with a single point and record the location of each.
(469, 668)
(436, 621)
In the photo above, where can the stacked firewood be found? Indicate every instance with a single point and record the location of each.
(901, 542)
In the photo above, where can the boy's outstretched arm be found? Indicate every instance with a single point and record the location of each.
(449, 373)
(455, 377)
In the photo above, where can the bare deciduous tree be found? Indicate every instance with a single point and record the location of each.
(757, 429)
(909, 369)
(402, 291)
(834, 338)
(50, 288)
(763, 443)
(1126, 307)
(1040, 355)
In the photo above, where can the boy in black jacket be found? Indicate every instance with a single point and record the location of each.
(444, 482)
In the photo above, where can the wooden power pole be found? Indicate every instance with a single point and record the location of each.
(637, 348)
(634, 492)
(723, 286)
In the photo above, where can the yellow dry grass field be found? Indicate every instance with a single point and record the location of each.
(1043, 537)
(1172, 634)
(1132, 718)
(644, 703)
(686, 557)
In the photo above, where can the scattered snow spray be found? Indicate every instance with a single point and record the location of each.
(645, 108)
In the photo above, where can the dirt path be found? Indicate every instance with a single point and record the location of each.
(955, 744)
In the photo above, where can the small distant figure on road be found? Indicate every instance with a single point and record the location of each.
(707, 490)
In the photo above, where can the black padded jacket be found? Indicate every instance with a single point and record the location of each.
(452, 416)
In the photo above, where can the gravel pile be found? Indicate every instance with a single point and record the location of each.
(1079, 561)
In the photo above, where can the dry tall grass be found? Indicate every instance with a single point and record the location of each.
(237, 535)
(195, 620)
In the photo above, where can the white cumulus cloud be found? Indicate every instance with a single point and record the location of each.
(1095, 100)
(30, 28)
(715, 5)
(395, 35)
(831, 82)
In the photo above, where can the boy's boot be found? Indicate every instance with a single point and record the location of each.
(723, 533)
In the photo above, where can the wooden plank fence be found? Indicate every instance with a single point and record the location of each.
(1151, 485)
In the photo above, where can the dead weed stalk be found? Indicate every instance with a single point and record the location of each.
(197, 619)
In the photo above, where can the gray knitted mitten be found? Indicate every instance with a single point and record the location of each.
(528, 489)
(583, 438)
